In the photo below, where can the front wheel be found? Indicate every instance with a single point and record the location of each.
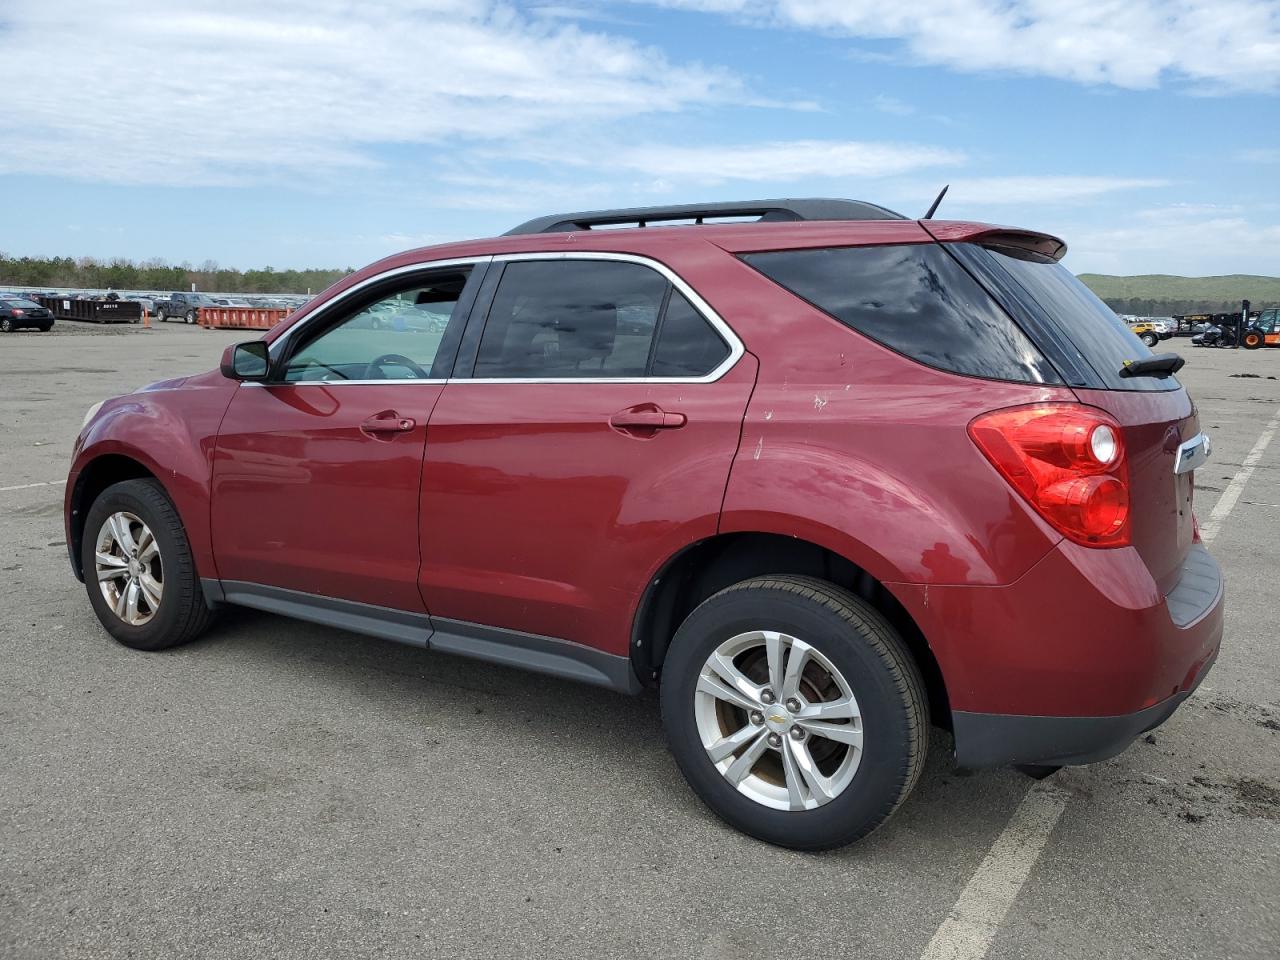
(138, 568)
(160, 317)
(1252, 341)
(795, 711)
(6, 325)
(191, 316)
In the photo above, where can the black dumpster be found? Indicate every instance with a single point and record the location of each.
(97, 311)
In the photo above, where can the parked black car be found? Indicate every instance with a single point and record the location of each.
(16, 314)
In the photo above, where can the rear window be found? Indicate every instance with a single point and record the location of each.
(915, 299)
(1096, 333)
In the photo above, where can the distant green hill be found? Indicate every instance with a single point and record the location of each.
(1160, 295)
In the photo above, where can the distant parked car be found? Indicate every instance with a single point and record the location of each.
(184, 306)
(231, 302)
(16, 314)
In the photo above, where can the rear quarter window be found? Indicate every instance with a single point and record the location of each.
(1062, 299)
(915, 299)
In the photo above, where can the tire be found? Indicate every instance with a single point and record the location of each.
(181, 614)
(1150, 339)
(160, 317)
(191, 316)
(872, 662)
(46, 327)
(1252, 341)
(6, 325)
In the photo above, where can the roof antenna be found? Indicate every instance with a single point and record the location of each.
(936, 203)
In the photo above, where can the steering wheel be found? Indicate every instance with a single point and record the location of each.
(374, 370)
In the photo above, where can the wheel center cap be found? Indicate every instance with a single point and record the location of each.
(777, 718)
(135, 568)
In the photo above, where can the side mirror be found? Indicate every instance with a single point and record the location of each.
(246, 361)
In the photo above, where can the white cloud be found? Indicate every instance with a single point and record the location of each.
(1224, 45)
(992, 191)
(1182, 239)
(223, 93)
(774, 162)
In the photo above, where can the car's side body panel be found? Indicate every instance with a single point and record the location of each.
(305, 500)
(539, 516)
(171, 429)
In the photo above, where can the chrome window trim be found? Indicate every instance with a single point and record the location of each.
(704, 309)
(736, 348)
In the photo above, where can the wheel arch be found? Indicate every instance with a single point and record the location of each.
(96, 476)
(708, 566)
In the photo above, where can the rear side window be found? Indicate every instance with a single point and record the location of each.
(593, 319)
(914, 299)
(687, 345)
(1096, 333)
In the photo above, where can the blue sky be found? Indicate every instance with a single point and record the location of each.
(298, 133)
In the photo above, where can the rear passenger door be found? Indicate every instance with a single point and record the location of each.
(586, 436)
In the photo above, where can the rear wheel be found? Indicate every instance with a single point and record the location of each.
(1252, 340)
(795, 711)
(138, 568)
(6, 325)
(46, 327)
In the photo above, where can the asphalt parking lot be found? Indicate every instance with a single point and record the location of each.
(285, 790)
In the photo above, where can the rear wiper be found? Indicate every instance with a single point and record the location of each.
(1157, 365)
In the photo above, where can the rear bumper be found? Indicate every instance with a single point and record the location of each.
(998, 740)
(1074, 660)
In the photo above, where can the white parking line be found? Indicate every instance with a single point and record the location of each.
(972, 925)
(28, 486)
(1226, 503)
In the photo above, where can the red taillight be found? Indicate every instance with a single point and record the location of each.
(18, 311)
(1068, 461)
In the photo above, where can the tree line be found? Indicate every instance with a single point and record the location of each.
(156, 274)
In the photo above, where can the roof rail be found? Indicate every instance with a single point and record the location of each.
(767, 211)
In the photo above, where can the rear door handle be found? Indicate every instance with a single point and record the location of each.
(388, 421)
(647, 416)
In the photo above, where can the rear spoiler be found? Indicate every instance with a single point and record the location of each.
(1044, 244)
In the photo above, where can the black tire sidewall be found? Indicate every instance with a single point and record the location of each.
(138, 497)
(877, 785)
(6, 325)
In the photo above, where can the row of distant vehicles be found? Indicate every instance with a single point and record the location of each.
(1261, 329)
(29, 309)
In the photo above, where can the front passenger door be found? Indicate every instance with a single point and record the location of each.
(316, 473)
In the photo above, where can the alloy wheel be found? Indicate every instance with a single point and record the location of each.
(778, 720)
(129, 568)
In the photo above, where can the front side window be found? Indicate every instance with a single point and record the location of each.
(396, 337)
(592, 319)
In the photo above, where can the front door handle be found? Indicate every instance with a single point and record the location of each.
(388, 421)
(647, 417)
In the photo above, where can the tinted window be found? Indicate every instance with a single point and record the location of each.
(1094, 330)
(396, 337)
(571, 318)
(916, 300)
(687, 346)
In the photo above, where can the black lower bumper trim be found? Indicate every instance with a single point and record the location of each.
(998, 740)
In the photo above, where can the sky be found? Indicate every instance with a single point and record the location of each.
(329, 133)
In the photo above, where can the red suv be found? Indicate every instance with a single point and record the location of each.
(824, 475)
